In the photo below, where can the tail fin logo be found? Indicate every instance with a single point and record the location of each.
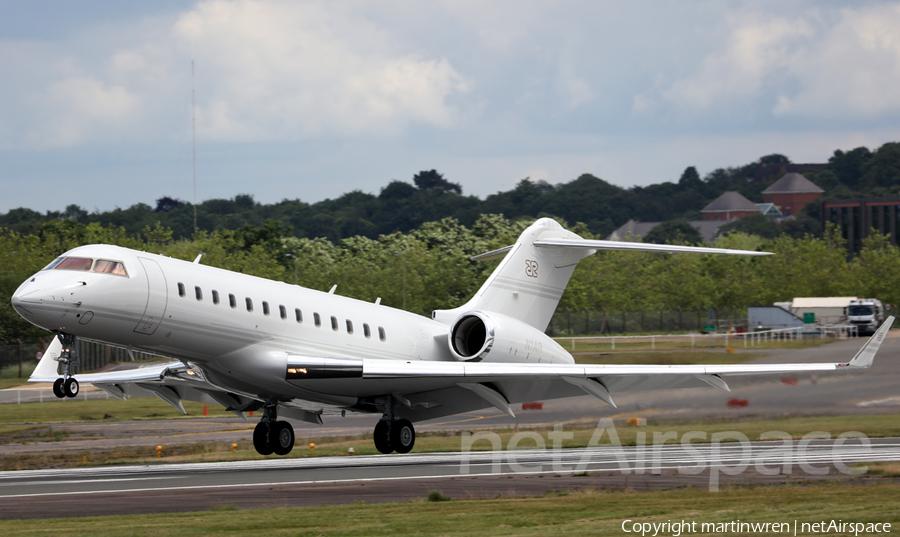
(531, 268)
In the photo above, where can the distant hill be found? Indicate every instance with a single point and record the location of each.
(401, 206)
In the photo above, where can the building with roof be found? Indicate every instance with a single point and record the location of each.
(856, 218)
(791, 193)
(729, 206)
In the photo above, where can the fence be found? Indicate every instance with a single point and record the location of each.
(19, 360)
(571, 323)
(712, 339)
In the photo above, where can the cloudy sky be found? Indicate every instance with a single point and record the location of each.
(313, 99)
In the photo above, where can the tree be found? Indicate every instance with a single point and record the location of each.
(756, 224)
(426, 180)
(674, 232)
(397, 190)
(166, 204)
(774, 158)
(849, 166)
(690, 179)
(882, 169)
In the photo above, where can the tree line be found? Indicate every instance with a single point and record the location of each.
(429, 267)
(404, 207)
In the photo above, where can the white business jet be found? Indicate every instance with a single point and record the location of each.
(248, 343)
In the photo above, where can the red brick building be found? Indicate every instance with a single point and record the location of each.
(791, 193)
(729, 206)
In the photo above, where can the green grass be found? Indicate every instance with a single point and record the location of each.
(54, 410)
(572, 513)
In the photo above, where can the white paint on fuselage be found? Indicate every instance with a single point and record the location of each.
(230, 341)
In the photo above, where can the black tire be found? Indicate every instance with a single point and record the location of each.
(382, 437)
(58, 388)
(403, 436)
(282, 440)
(261, 439)
(70, 387)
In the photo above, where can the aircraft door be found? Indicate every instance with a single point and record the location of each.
(157, 297)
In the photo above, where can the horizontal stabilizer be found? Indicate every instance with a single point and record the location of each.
(620, 246)
(639, 247)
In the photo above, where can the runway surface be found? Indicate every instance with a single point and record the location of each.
(187, 487)
(324, 480)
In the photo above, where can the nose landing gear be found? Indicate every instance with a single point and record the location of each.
(67, 386)
(273, 436)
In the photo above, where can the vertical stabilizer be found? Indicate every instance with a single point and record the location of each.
(529, 282)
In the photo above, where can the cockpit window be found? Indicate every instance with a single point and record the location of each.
(74, 263)
(86, 264)
(109, 267)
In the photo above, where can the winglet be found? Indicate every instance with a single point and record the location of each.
(46, 370)
(866, 354)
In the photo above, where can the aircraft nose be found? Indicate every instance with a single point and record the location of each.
(28, 292)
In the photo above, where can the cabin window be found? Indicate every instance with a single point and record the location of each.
(198, 292)
(109, 267)
(265, 308)
(298, 315)
(232, 301)
(180, 289)
(317, 319)
(249, 303)
(215, 297)
(82, 264)
(283, 311)
(334, 323)
(366, 331)
(349, 327)
(381, 334)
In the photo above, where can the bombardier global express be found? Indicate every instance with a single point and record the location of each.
(252, 344)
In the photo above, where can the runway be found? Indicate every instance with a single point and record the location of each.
(333, 480)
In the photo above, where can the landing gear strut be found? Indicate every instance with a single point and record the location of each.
(67, 386)
(273, 436)
(393, 434)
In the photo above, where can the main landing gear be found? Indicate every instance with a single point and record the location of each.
(67, 386)
(273, 436)
(393, 434)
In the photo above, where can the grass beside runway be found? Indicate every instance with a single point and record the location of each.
(572, 513)
(884, 425)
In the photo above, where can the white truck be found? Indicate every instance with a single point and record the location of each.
(866, 313)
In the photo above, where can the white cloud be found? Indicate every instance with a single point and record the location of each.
(757, 52)
(853, 71)
(811, 66)
(278, 70)
(266, 70)
(78, 109)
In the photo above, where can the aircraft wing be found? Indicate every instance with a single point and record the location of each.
(431, 389)
(434, 389)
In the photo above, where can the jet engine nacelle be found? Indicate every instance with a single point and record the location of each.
(477, 336)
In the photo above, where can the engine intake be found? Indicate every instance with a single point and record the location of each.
(472, 336)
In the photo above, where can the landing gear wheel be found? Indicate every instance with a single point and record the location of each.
(261, 439)
(58, 388)
(403, 436)
(70, 387)
(382, 437)
(282, 440)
